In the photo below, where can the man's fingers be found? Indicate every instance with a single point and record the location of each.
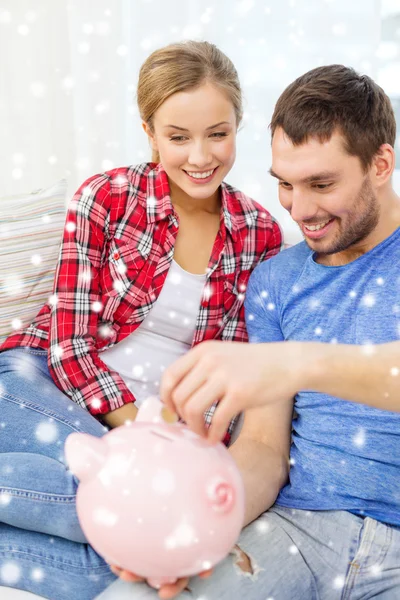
(223, 415)
(195, 407)
(174, 374)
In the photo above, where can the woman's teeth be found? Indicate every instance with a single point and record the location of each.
(201, 175)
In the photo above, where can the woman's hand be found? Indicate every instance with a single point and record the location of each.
(167, 591)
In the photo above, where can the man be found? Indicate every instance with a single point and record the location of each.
(324, 319)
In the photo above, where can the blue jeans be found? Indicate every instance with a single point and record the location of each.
(289, 554)
(42, 547)
(284, 555)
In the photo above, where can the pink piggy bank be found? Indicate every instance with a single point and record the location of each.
(155, 498)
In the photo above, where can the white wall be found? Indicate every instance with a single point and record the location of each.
(69, 69)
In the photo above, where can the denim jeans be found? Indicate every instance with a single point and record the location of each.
(42, 547)
(285, 554)
(289, 554)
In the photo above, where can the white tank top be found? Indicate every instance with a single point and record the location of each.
(163, 336)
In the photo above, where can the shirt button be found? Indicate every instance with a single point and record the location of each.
(116, 255)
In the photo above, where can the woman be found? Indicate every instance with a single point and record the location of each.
(155, 259)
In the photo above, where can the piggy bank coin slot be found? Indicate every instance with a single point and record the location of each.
(163, 434)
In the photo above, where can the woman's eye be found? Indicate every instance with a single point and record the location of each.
(178, 138)
(219, 134)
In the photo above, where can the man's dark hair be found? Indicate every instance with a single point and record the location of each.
(332, 98)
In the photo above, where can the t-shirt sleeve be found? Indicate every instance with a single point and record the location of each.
(261, 307)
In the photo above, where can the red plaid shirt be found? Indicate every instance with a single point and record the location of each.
(117, 248)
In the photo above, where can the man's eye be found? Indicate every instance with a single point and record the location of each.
(322, 186)
(285, 185)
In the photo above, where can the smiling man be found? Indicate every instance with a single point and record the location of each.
(324, 319)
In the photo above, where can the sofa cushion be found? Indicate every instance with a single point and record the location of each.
(31, 227)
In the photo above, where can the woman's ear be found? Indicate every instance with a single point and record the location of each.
(150, 134)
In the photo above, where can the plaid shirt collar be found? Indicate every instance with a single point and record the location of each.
(158, 201)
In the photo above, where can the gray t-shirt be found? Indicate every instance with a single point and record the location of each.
(344, 455)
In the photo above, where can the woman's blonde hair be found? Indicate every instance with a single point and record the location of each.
(185, 66)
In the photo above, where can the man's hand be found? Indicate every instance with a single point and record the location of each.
(238, 376)
(167, 591)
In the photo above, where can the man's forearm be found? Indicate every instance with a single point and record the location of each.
(364, 374)
(264, 472)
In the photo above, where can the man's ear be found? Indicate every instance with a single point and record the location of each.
(383, 164)
(150, 134)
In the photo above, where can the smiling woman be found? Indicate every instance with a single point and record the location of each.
(155, 259)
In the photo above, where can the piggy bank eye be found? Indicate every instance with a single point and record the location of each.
(221, 495)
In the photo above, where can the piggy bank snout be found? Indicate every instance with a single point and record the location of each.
(221, 495)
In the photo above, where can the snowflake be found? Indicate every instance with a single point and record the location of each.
(262, 526)
(369, 300)
(10, 573)
(375, 570)
(16, 323)
(46, 432)
(5, 498)
(137, 370)
(38, 89)
(70, 226)
(339, 29)
(57, 351)
(88, 28)
(122, 50)
(37, 574)
(36, 259)
(368, 349)
(118, 285)
(84, 47)
(23, 29)
(104, 516)
(97, 306)
(207, 292)
(5, 16)
(338, 582)
(359, 438)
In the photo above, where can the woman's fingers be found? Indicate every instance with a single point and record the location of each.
(171, 590)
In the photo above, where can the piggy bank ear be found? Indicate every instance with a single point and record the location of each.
(85, 454)
(221, 495)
